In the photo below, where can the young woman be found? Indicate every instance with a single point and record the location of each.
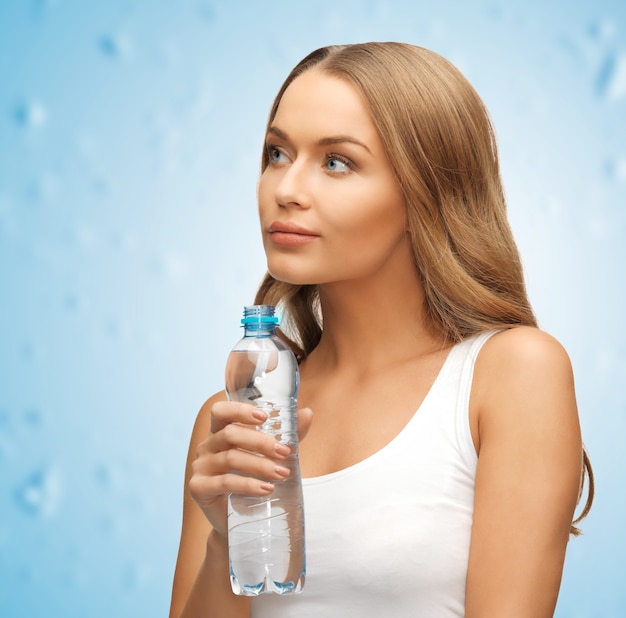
(442, 461)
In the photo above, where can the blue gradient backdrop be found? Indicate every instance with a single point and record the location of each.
(130, 135)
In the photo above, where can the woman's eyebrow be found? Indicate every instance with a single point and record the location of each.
(278, 133)
(325, 141)
(339, 139)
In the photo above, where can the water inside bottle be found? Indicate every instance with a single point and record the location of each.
(263, 377)
(266, 542)
(266, 534)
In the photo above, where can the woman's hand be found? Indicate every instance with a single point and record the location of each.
(236, 457)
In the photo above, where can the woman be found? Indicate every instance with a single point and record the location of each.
(443, 462)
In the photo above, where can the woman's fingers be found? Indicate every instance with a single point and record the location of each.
(227, 412)
(235, 436)
(234, 470)
(238, 458)
(206, 490)
(224, 413)
(241, 461)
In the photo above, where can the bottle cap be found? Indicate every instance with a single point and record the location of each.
(259, 314)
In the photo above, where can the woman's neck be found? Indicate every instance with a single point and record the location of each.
(373, 323)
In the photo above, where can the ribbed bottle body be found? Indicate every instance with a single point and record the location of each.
(266, 534)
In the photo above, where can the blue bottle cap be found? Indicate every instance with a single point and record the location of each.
(259, 314)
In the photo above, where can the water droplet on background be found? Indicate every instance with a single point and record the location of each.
(108, 525)
(33, 416)
(107, 476)
(115, 45)
(86, 238)
(206, 11)
(39, 494)
(100, 185)
(32, 351)
(137, 575)
(611, 78)
(71, 302)
(74, 577)
(551, 205)
(617, 169)
(5, 210)
(23, 573)
(152, 340)
(602, 30)
(41, 6)
(4, 537)
(6, 448)
(115, 328)
(169, 266)
(30, 115)
(168, 54)
(123, 240)
(43, 187)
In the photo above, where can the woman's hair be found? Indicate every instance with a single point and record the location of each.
(440, 142)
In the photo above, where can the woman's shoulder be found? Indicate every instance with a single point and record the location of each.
(523, 348)
(519, 366)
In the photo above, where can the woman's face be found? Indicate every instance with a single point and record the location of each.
(330, 206)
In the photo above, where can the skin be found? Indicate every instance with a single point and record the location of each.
(330, 177)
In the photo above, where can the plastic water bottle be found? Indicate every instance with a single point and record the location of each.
(266, 534)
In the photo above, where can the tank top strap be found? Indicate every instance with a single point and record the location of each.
(466, 354)
(470, 349)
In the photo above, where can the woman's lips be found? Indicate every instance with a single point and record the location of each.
(287, 234)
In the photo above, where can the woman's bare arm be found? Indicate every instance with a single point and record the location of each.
(529, 465)
(201, 583)
(226, 454)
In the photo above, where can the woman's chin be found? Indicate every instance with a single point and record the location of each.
(291, 277)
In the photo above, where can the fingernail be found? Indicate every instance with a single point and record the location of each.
(268, 487)
(282, 449)
(259, 415)
(282, 471)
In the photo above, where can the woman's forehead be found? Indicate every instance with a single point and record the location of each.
(325, 104)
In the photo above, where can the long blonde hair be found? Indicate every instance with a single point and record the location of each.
(440, 141)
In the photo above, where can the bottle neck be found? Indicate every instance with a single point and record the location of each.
(259, 321)
(259, 330)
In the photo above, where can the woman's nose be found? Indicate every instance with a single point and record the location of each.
(293, 188)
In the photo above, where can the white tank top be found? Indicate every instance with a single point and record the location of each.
(389, 536)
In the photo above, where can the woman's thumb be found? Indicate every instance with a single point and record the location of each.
(305, 418)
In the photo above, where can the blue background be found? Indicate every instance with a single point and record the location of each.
(130, 136)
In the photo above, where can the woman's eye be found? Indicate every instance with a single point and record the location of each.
(275, 155)
(338, 164)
